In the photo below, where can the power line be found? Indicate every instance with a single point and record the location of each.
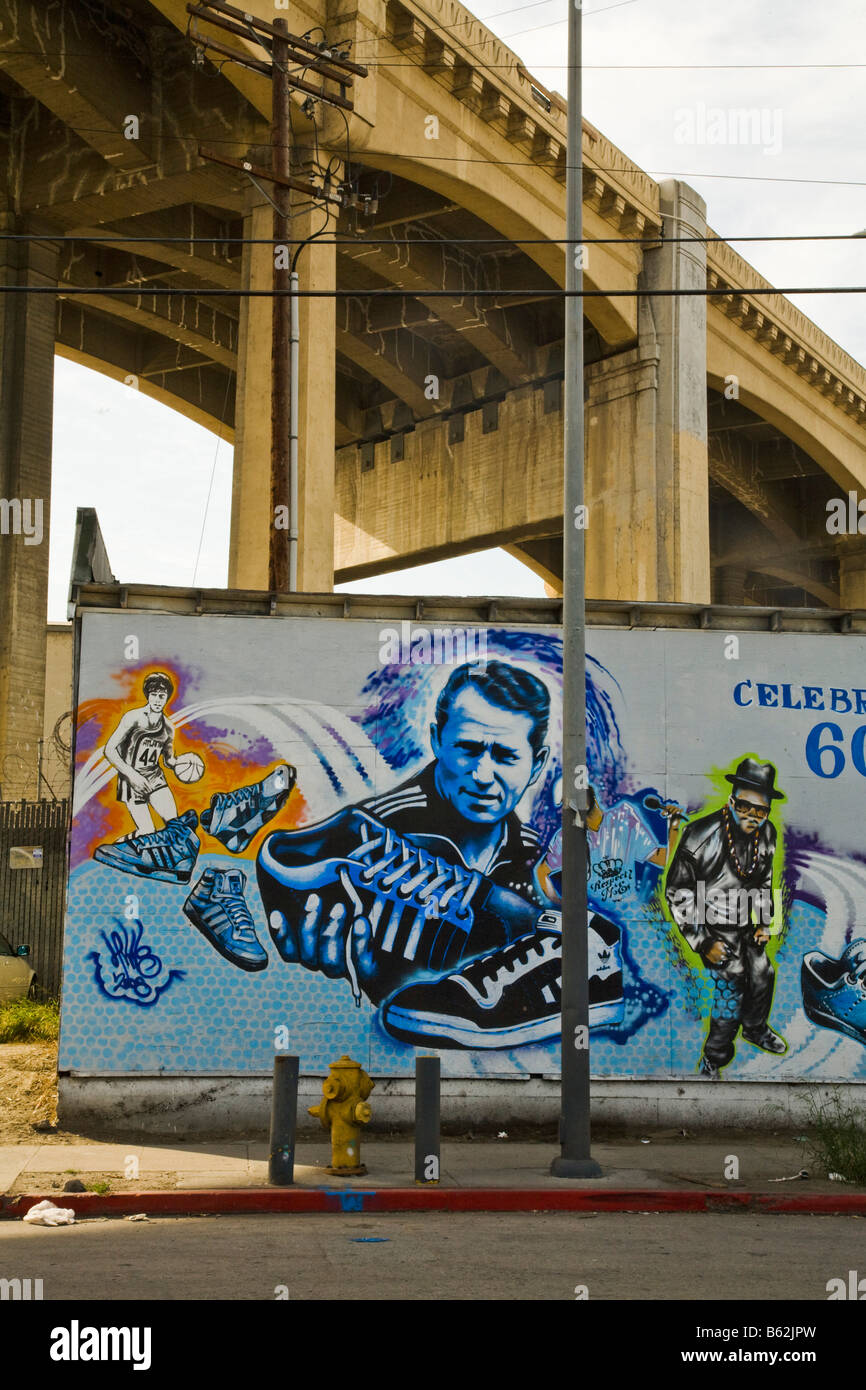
(500, 14)
(165, 291)
(361, 241)
(548, 165)
(556, 67)
(464, 23)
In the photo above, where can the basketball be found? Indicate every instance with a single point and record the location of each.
(189, 768)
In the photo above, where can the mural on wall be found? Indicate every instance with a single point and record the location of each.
(719, 890)
(309, 833)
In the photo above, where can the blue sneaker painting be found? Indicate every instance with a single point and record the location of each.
(834, 991)
(218, 908)
(168, 854)
(235, 818)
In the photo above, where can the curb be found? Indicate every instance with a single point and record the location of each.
(217, 1202)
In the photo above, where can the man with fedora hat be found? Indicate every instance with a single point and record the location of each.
(719, 891)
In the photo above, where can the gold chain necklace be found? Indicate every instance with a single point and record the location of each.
(733, 853)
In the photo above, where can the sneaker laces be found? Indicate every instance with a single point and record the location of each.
(241, 797)
(237, 911)
(167, 834)
(520, 954)
(427, 881)
(857, 976)
(239, 915)
(432, 885)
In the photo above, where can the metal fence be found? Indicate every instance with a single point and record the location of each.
(33, 884)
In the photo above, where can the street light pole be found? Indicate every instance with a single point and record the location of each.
(574, 1160)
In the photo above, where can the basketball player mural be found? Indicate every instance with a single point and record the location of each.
(138, 749)
(141, 743)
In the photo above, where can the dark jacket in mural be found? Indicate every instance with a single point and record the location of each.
(713, 864)
(416, 810)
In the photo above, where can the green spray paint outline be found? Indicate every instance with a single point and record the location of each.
(717, 777)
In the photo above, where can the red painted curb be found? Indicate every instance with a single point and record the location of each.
(394, 1199)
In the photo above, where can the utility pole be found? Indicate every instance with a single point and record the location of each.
(574, 1160)
(278, 560)
(282, 50)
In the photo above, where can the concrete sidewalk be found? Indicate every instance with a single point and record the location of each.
(670, 1169)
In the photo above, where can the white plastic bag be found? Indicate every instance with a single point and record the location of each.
(47, 1214)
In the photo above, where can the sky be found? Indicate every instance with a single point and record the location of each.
(661, 78)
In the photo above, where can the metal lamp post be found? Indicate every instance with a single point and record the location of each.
(574, 1160)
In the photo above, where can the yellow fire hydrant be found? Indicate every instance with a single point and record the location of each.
(343, 1108)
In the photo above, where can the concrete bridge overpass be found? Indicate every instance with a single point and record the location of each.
(717, 428)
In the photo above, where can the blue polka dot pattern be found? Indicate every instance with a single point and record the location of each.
(219, 1019)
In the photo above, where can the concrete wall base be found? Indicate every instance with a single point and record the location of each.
(173, 1107)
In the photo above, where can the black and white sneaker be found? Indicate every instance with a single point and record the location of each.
(606, 1002)
(506, 999)
(355, 900)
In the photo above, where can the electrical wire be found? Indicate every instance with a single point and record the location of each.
(212, 476)
(649, 240)
(483, 20)
(64, 54)
(628, 170)
(175, 291)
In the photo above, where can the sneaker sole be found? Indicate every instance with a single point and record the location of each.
(192, 915)
(831, 1021)
(610, 1012)
(540, 1031)
(456, 1032)
(164, 875)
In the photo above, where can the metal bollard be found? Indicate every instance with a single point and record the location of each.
(427, 1119)
(284, 1115)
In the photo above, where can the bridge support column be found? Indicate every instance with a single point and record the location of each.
(647, 474)
(682, 472)
(731, 585)
(620, 431)
(251, 506)
(26, 399)
(852, 578)
(251, 480)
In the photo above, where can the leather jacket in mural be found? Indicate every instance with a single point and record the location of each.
(704, 878)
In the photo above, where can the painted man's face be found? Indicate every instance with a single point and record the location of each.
(750, 808)
(156, 701)
(485, 760)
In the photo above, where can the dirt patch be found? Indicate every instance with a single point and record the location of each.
(28, 1089)
(52, 1184)
(28, 1094)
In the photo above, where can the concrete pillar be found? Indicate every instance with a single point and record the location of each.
(26, 400)
(646, 433)
(251, 478)
(852, 578)
(251, 518)
(679, 328)
(621, 492)
(731, 585)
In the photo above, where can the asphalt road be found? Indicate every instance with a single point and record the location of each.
(440, 1256)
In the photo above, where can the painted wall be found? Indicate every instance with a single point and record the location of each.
(287, 846)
